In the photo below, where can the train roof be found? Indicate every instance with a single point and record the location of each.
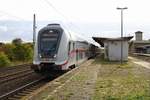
(82, 38)
(73, 36)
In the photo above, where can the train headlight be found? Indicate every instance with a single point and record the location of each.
(40, 55)
(55, 56)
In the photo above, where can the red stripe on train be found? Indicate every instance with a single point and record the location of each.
(64, 63)
(72, 52)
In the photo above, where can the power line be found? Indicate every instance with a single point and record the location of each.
(52, 6)
(8, 14)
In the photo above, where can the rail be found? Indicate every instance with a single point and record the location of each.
(14, 76)
(15, 67)
(14, 92)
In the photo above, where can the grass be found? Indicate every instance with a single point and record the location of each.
(121, 82)
(128, 88)
(20, 62)
(15, 63)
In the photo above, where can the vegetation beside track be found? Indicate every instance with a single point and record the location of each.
(15, 53)
(121, 82)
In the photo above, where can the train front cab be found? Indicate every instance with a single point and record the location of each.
(47, 47)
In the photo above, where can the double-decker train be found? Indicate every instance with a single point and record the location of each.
(58, 49)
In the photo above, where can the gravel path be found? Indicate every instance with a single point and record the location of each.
(140, 62)
(79, 87)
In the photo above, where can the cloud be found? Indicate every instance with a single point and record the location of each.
(3, 29)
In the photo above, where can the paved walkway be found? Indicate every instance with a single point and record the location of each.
(140, 62)
(79, 87)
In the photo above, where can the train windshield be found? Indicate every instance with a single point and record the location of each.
(48, 42)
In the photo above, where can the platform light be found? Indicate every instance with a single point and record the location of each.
(118, 8)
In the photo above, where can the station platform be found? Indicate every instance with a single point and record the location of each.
(98, 79)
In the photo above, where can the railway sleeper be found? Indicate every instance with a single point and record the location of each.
(22, 94)
(17, 96)
(11, 98)
(29, 90)
(33, 88)
(25, 92)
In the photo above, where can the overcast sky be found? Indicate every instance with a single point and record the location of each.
(78, 10)
(82, 13)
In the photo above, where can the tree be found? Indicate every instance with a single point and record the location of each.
(4, 61)
(23, 52)
(17, 41)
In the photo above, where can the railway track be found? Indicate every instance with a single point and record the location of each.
(5, 70)
(28, 88)
(15, 75)
(21, 83)
(23, 90)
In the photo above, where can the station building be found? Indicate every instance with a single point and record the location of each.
(112, 47)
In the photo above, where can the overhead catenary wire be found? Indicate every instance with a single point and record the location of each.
(51, 5)
(65, 17)
(11, 15)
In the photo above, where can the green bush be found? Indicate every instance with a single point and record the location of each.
(8, 50)
(23, 52)
(4, 61)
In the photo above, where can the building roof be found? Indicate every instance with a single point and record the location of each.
(101, 40)
(139, 32)
(141, 42)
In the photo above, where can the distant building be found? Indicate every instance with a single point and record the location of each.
(139, 45)
(138, 36)
(1, 43)
(1, 46)
(112, 47)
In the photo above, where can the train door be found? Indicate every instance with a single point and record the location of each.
(71, 53)
(74, 53)
(77, 53)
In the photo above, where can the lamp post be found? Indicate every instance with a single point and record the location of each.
(118, 8)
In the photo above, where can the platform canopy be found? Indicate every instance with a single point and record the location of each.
(101, 40)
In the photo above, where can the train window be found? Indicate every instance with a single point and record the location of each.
(73, 46)
(49, 39)
(69, 46)
(53, 35)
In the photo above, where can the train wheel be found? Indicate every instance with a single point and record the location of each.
(36, 68)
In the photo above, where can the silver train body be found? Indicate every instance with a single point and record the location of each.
(57, 49)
